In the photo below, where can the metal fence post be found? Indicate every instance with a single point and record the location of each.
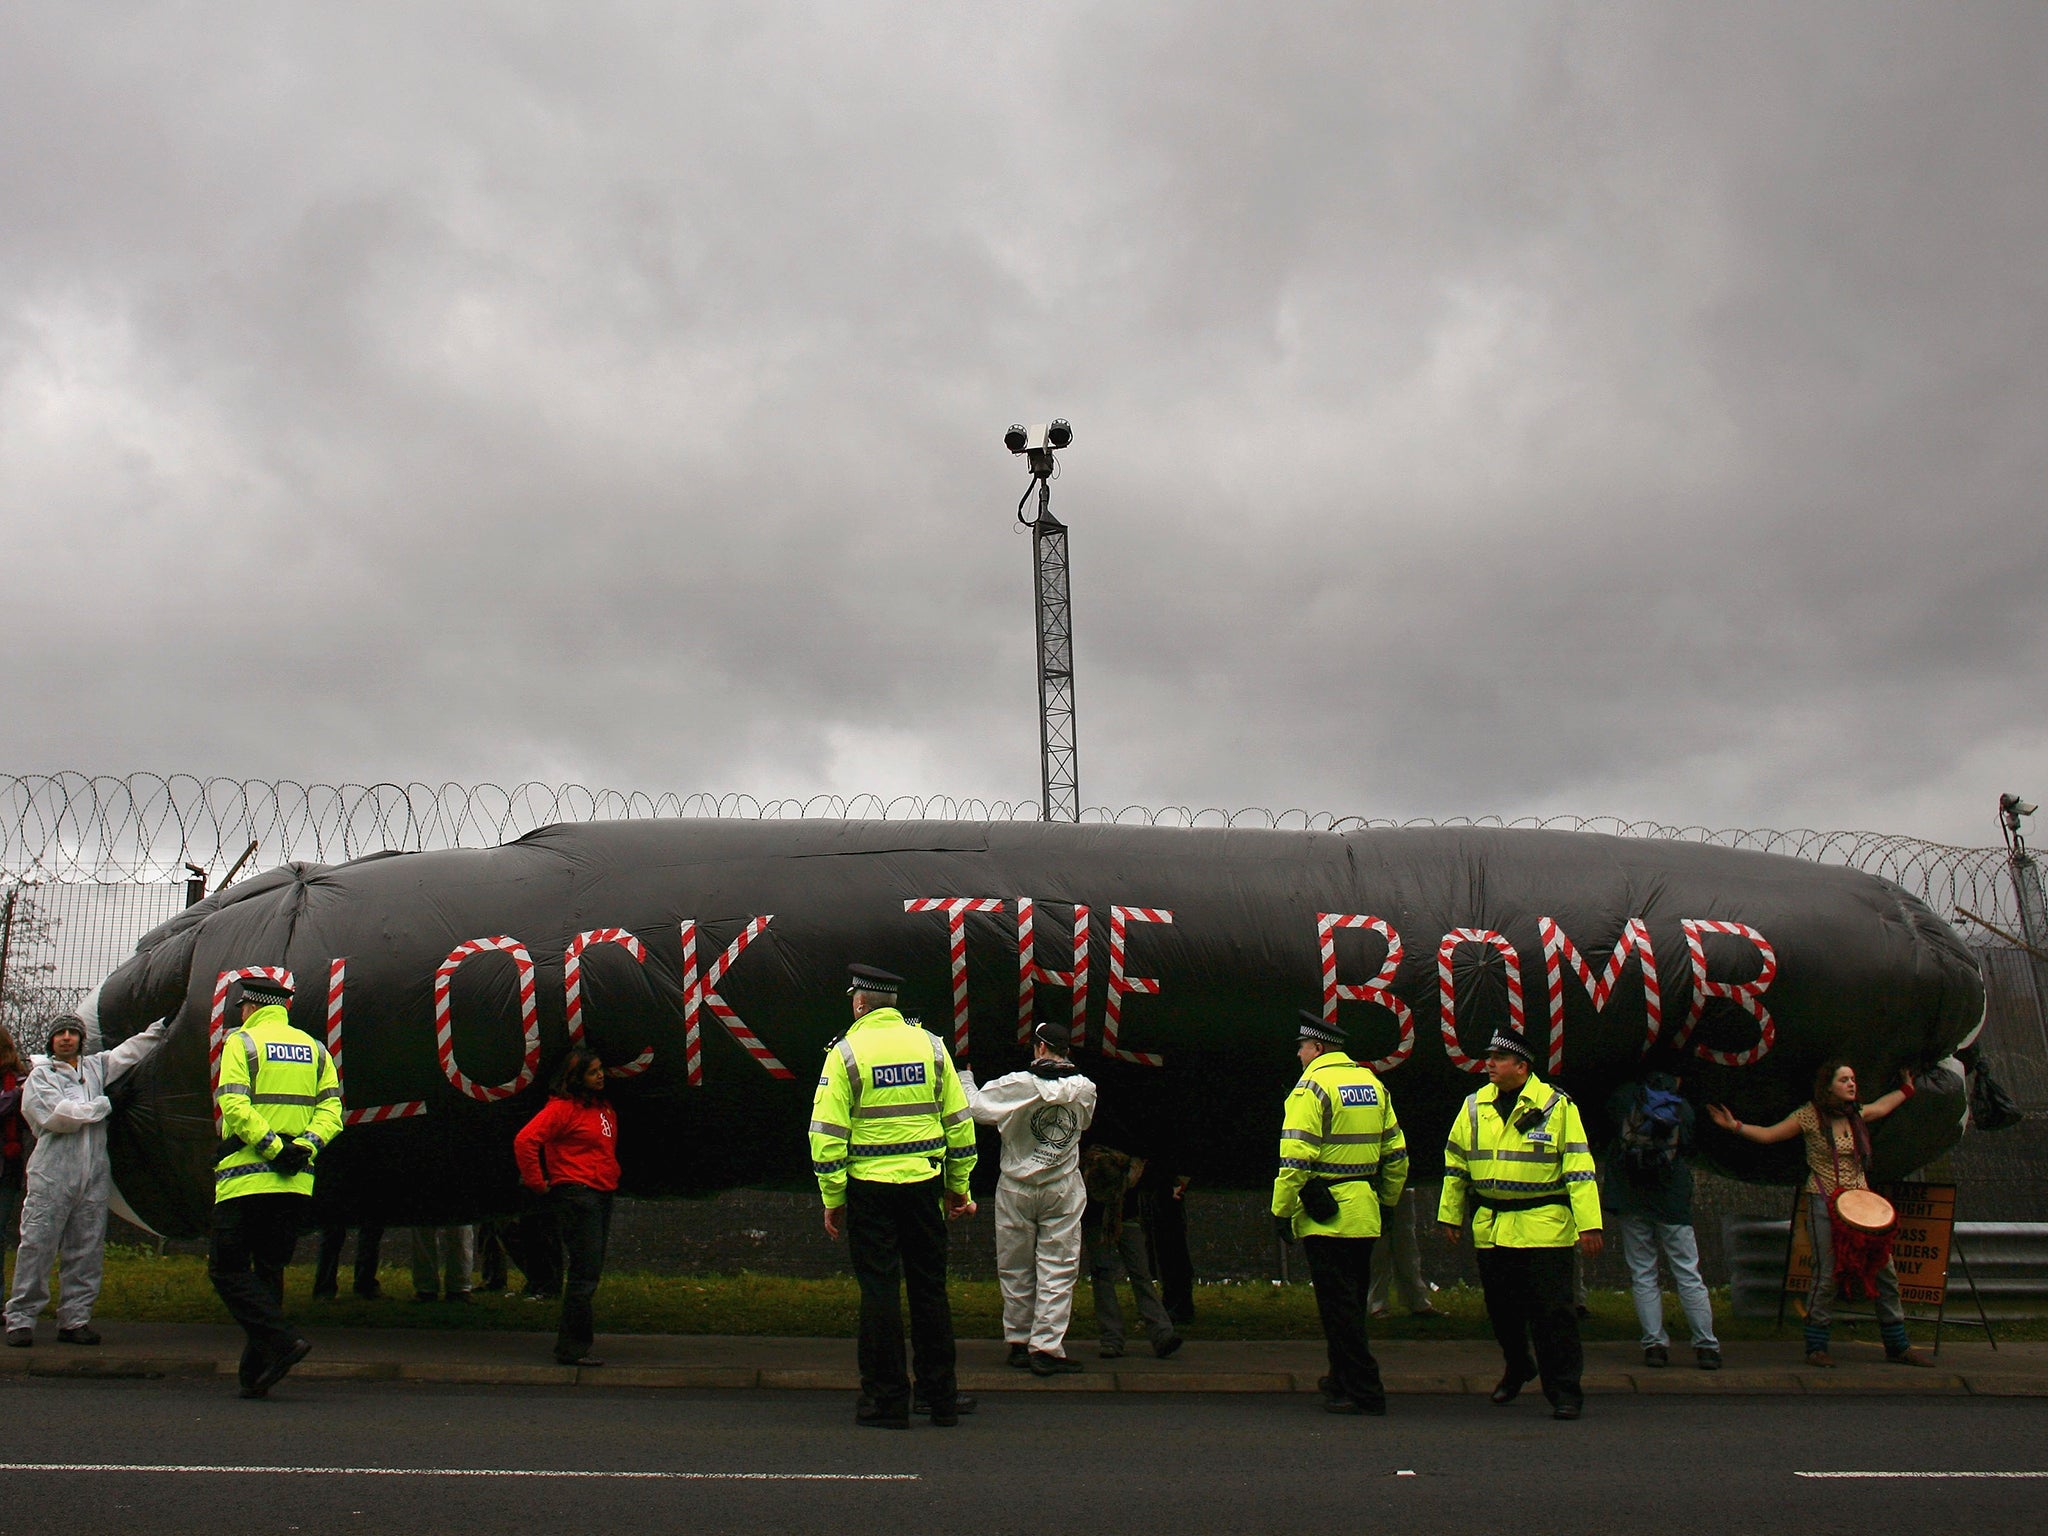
(6, 938)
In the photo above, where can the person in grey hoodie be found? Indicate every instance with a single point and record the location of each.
(1041, 1112)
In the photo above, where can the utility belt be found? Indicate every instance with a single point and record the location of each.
(1499, 1203)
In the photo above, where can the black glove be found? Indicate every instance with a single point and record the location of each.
(292, 1157)
(1283, 1228)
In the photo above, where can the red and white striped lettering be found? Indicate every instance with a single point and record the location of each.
(1379, 990)
(1448, 994)
(702, 995)
(529, 1018)
(378, 1112)
(337, 973)
(337, 970)
(1559, 951)
(1030, 973)
(1121, 983)
(1746, 995)
(572, 987)
(956, 909)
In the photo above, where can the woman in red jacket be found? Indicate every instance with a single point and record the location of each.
(569, 1152)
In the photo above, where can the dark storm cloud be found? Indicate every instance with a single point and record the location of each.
(1510, 408)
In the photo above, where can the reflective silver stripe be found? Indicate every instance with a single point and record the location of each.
(231, 1091)
(956, 1117)
(827, 1128)
(1578, 1146)
(891, 1111)
(305, 1100)
(852, 1062)
(832, 1167)
(325, 1094)
(1312, 1138)
(898, 1149)
(1509, 1155)
(1355, 1138)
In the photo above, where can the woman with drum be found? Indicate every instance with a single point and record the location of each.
(1850, 1223)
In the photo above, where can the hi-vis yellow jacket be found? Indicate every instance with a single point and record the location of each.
(889, 1108)
(1527, 1179)
(275, 1081)
(1340, 1127)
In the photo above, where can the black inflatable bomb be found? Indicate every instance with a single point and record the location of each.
(709, 958)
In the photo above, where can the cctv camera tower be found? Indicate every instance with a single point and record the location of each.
(1059, 772)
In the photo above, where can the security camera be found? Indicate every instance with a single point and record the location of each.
(2014, 806)
(1046, 435)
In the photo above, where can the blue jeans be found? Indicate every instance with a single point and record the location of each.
(1641, 1240)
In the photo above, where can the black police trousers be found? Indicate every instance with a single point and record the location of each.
(896, 1236)
(1340, 1268)
(252, 1241)
(1529, 1293)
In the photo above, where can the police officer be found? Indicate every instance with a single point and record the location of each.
(1342, 1158)
(1518, 1156)
(280, 1104)
(892, 1145)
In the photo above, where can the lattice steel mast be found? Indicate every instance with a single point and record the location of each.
(1059, 768)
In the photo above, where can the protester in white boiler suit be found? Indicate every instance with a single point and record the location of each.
(1042, 1112)
(64, 1218)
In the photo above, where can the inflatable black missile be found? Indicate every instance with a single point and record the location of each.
(708, 958)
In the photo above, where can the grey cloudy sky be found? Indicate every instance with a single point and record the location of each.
(1509, 408)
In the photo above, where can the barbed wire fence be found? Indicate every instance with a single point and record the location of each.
(143, 829)
(91, 862)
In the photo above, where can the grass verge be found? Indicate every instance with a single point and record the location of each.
(143, 1287)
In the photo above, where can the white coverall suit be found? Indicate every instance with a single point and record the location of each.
(1042, 1112)
(64, 1217)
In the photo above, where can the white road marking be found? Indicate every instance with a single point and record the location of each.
(2036, 1476)
(683, 1477)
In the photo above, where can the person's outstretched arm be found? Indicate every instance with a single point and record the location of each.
(133, 1051)
(1879, 1107)
(1784, 1130)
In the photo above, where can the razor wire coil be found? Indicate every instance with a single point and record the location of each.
(143, 828)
